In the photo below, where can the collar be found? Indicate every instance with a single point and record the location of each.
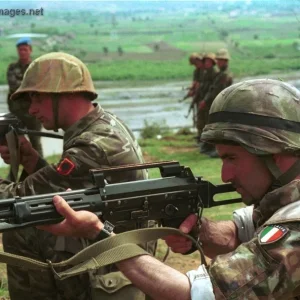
(275, 200)
(82, 124)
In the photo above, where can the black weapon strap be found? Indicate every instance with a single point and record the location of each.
(105, 252)
(14, 151)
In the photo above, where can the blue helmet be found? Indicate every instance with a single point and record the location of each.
(24, 41)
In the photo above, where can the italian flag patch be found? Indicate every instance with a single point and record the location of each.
(272, 233)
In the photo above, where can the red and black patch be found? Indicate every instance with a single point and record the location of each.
(65, 167)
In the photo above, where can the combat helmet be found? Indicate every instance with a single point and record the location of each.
(56, 73)
(261, 115)
(210, 55)
(223, 54)
(194, 56)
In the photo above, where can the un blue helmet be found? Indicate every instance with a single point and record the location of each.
(24, 41)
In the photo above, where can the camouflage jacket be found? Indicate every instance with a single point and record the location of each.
(14, 75)
(267, 266)
(198, 75)
(208, 76)
(222, 80)
(98, 140)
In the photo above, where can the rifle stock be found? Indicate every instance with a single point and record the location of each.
(169, 199)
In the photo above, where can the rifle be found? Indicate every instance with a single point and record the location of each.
(169, 199)
(185, 97)
(10, 128)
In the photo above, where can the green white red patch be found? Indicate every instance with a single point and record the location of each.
(65, 167)
(272, 233)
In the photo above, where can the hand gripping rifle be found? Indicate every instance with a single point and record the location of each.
(169, 200)
(10, 128)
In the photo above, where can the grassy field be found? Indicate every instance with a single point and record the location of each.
(171, 147)
(156, 44)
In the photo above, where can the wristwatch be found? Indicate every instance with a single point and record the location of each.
(106, 231)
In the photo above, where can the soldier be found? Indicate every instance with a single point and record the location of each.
(222, 80)
(61, 90)
(211, 72)
(255, 126)
(15, 73)
(197, 60)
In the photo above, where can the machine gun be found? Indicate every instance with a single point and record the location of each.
(169, 199)
(10, 128)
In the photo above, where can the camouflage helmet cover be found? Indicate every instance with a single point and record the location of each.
(223, 54)
(57, 72)
(194, 56)
(261, 115)
(211, 56)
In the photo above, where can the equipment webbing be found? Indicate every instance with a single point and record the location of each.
(100, 254)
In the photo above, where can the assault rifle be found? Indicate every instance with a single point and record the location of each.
(10, 128)
(169, 199)
(9, 122)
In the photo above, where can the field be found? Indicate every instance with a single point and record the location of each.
(173, 147)
(154, 42)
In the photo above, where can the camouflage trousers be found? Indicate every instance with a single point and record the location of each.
(105, 284)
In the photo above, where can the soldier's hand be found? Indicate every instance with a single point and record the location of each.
(28, 155)
(202, 105)
(180, 244)
(83, 224)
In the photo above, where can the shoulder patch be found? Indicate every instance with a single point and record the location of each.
(65, 167)
(272, 234)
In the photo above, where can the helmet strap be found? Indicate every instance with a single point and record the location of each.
(55, 111)
(279, 178)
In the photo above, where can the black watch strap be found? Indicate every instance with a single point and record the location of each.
(106, 231)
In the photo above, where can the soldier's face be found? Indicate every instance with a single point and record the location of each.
(208, 63)
(41, 108)
(198, 64)
(245, 171)
(24, 52)
(222, 63)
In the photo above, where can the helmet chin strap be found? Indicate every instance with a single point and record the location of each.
(280, 179)
(55, 111)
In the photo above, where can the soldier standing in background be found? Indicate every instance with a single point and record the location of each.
(209, 61)
(221, 81)
(15, 73)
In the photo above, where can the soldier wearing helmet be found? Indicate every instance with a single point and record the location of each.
(222, 80)
(60, 90)
(14, 74)
(210, 72)
(255, 126)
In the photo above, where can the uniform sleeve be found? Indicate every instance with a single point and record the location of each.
(243, 220)
(72, 171)
(201, 286)
(12, 80)
(259, 270)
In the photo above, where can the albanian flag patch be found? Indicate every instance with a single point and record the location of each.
(272, 233)
(65, 167)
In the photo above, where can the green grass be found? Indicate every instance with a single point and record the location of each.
(259, 44)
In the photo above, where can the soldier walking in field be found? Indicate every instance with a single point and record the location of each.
(15, 73)
(222, 80)
(209, 61)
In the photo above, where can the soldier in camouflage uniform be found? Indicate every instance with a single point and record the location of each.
(61, 91)
(15, 73)
(202, 111)
(256, 128)
(222, 80)
(198, 76)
